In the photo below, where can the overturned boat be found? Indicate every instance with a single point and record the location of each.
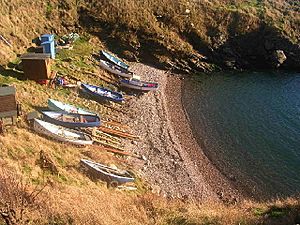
(107, 173)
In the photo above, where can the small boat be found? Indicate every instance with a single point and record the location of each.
(115, 69)
(60, 106)
(108, 173)
(71, 120)
(102, 93)
(114, 60)
(137, 84)
(61, 134)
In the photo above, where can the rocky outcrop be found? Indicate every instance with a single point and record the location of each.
(264, 48)
(278, 58)
(226, 40)
(187, 37)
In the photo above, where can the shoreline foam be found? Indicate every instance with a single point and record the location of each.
(176, 166)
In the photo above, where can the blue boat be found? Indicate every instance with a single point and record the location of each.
(114, 60)
(102, 93)
(60, 106)
(71, 120)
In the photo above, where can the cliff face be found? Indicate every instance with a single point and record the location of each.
(193, 35)
(184, 35)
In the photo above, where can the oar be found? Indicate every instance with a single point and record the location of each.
(114, 127)
(99, 134)
(118, 152)
(113, 138)
(112, 123)
(107, 144)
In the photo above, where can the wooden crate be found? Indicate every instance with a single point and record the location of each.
(8, 104)
(37, 66)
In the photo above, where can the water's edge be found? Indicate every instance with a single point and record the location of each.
(227, 139)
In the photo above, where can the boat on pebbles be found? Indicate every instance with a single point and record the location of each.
(114, 60)
(136, 84)
(101, 93)
(114, 69)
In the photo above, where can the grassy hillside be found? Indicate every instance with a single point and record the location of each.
(197, 35)
(68, 196)
(184, 35)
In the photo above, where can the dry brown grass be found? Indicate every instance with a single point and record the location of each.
(71, 197)
(180, 31)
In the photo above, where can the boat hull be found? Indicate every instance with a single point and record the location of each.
(138, 86)
(61, 134)
(115, 69)
(59, 106)
(115, 60)
(102, 93)
(73, 120)
(106, 172)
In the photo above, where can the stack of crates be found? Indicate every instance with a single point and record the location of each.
(48, 44)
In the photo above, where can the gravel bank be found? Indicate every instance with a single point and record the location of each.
(176, 166)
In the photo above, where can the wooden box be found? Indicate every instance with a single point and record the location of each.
(37, 66)
(8, 104)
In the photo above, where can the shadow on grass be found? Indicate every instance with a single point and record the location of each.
(40, 108)
(11, 71)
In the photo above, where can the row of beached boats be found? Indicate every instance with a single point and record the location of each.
(65, 123)
(128, 78)
(68, 123)
(119, 68)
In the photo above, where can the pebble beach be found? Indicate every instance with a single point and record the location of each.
(175, 165)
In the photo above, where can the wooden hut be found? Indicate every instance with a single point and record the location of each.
(37, 66)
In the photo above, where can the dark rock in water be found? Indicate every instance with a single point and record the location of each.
(278, 58)
(231, 64)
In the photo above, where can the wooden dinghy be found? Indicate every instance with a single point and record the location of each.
(60, 106)
(71, 120)
(102, 93)
(115, 69)
(107, 173)
(61, 134)
(137, 84)
(114, 60)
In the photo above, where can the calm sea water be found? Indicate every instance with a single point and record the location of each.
(249, 126)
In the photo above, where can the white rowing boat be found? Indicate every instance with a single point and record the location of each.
(62, 134)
